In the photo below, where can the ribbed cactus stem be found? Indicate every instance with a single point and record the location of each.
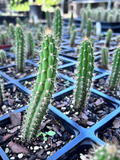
(12, 31)
(89, 27)
(84, 74)
(30, 49)
(117, 39)
(71, 19)
(110, 18)
(117, 17)
(94, 30)
(3, 56)
(1, 92)
(84, 19)
(99, 37)
(83, 33)
(72, 38)
(104, 57)
(108, 152)
(48, 19)
(57, 25)
(44, 87)
(92, 41)
(20, 47)
(98, 16)
(115, 74)
(108, 37)
(4, 38)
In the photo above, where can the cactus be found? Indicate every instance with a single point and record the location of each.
(77, 50)
(18, 21)
(117, 17)
(44, 87)
(4, 38)
(105, 14)
(94, 30)
(30, 49)
(99, 36)
(104, 57)
(48, 19)
(115, 74)
(40, 33)
(110, 18)
(117, 39)
(20, 48)
(89, 26)
(108, 38)
(33, 20)
(84, 71)
(2, 56)
(107, 152)
(83, 21)
(57, 25)
(12, 31)
(83, 33)
(72, 38)
(1, 91)
(71, 19)
(92, 41)
(5, 23)
(98, 16)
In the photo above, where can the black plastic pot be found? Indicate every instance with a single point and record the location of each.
(36, 10)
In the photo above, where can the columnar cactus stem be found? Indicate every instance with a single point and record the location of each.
(71, 19)
(4, 38)
(84, 19)
(108, 152)
(5, 23)
(92, 41)
(20, 48)
(115, 74)
(18, 21)
(30, 48)
(12, 31)
(108, 38)
(104, 57)
(2, 56)
(57, 25)
(117, 39)
(110, 18)
(44, 87)
(48, 19)
(84, 71)
(72, 38)
(89, 27)
(39, 33)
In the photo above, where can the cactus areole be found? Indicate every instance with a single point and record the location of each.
(44, 87)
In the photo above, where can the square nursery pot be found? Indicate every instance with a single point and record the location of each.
(5, 46)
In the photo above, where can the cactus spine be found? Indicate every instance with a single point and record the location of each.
(115, 74)
(44, 87)
(72, 38)
(108, 38)
(89, 26)
(12, 31)
(108, 152)
(30, 49)
(57, 25)
(84, 71)
(3, 56)
(104, 57)
(20, 48)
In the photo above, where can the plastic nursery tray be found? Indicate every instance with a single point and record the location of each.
(85, 137)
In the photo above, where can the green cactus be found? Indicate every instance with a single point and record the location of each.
(12, 31)
(77, 50)
(99, 36)
(44, 87)
(105, 14)
(72, 38)
(18, 21)
(84, 71)
(108, 38)
(33, 20)
(84, 19)
(89, 27)
(117, 39)
(57, 25)
(98, 16)
(40, 33)
(107, 152)
(104, 57)
(83, 33)
(92, 41)
(1, 91)
(110, 18)
(2, 56)
(48, 19)
(20, 48)
(94, 30)
(71, 19)
(115, 76)
(30, 49)
(117, 17)
(5, 23)
(4, 38)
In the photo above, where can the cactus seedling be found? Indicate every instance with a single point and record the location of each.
(2, 56)
(84, 19)
(108, 38)
(84, 74)
(115, 74)
(107, 152)
(20, 48)
(89, 26)
(30, 49)
(104, 57)
(57, 25)
(72, 38)
(44, 87)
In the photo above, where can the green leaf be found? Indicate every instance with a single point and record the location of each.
(51, 133)
(45, 138)
(39, 134)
